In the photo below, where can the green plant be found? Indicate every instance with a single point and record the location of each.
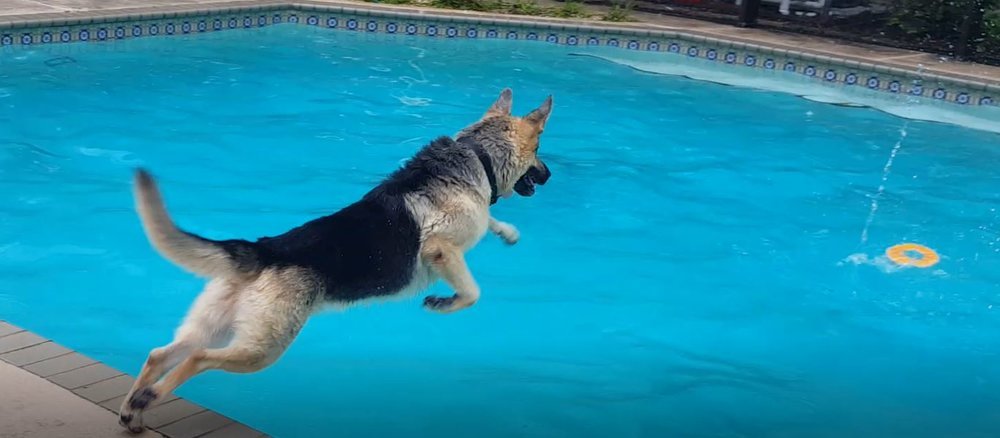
(925, 19)
(991, 25)
(526, 7)
(571, 9)
(469, 5)
(935, 19)
(991, 34)
(620, 12)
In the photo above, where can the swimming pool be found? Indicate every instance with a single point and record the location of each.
(695, 267)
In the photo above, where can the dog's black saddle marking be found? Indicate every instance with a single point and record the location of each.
(369, 248)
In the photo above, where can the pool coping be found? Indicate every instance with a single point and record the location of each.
(896, 71)
(106, 387)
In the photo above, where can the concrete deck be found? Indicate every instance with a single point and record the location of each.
(50, 391)
(24, 10)
(34, 407)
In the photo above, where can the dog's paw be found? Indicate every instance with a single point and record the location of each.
(439, 304)
(130, 414)
(142, 398)
(129, 419)
(507, 232)
(130, 422)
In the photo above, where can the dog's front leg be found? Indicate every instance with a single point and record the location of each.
(448, 262)
(506, 231)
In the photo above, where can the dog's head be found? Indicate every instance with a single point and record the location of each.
(513, 144)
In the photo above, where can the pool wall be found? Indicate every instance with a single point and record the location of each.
(108, 27)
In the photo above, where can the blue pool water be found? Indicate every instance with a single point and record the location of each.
(695, 266)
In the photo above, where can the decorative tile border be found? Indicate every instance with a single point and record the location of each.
(728, 54)
(107, 387)
(120, 30)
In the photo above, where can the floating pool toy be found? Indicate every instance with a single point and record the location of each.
(903, 254)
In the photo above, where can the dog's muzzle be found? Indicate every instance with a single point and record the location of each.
(540, 174)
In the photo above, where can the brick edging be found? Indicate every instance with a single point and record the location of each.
(106, 387)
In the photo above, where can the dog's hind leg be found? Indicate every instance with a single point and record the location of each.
(244, 355)
(159, 361)
(207, 323)
(448, 262)
(264, 316)
(264, 328)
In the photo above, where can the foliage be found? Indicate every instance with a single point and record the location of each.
(568, 9)
(991, 25)
(468, 5)
(935, 19)
(571, 9)
(620, 12)
(943, 21)
(991, 34)
(526, 7)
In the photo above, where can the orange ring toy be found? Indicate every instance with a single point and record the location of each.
(901, 255)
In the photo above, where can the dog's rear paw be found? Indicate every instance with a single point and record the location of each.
(142, 399)
(130, 415)
(439, 304)
(130, 422)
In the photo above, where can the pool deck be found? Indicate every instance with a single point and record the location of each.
(18, 11)
(50, 391)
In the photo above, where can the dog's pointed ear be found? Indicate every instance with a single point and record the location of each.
(503, 104)
(540, 115)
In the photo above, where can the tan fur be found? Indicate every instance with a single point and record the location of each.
(505, 231)
(523, 132)
(454, 223)
(529, 130)
(503, 105)
(243, 322)
(237, 327)
(448, 261)
(197, 256)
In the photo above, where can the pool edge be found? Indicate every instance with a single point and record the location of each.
(901, 74)
(105, 387)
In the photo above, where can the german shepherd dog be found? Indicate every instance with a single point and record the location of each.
(406, 233)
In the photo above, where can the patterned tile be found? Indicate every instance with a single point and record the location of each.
(725, 54)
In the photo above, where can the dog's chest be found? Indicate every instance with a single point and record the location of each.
(471, 228)
(459, 218)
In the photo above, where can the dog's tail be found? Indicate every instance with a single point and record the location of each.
(204, 257)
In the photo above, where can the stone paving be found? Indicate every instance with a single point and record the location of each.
(50, 391)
